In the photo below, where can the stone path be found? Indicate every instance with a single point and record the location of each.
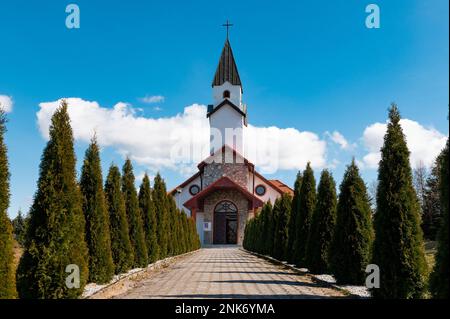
(228, 272)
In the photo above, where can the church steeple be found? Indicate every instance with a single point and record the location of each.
(226, 69)
(228, 115)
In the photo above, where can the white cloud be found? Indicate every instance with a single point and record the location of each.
(152, 99)
(180, 142)
(6, 103)
(339, 139)
(423, 143)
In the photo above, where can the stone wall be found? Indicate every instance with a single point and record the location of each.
(241, 203)
(236, 172)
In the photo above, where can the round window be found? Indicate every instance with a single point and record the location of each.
(194, 189)
(260, 190)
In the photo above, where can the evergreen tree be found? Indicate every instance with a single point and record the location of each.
(282, 213)
(19, 228)
(55, 234)
(307, 204)
(134, 217)
(171, 242)
(398, 247)
(353, 235)
(7, 271)
(322, 225)
(269, 229)
(149, 215)
(294, 217)
(440, 278)
(162, 214)
(431, 206)
(121, 249)
(101, 267)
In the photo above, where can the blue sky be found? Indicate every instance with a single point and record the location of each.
(308, 65)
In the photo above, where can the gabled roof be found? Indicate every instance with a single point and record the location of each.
(282, 186)
(226, 102)
(186, 182)
(225, 149)
(223, 183)
(227, 69)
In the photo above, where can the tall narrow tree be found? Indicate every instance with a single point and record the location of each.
(55, 234)
(122, 251)
(431, 205)
(149, 215)
(161, 207)
(307, 204)
(440, 278)
(134, 217)
(7, 268)
(101, 267)
(19, 228)
(399, 247)
(269, 228)
(350, 249)
(294, 217)
(282, 213)
(322, 225)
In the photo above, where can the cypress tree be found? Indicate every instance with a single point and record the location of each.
(121, 249)
(101, 267)
(269, 229)
(353, 236)
(161, 207)
(306, 206)
(322, 225)
(171, 242)
(7, 271)
(19, 228)
(440, 278)
(55, 233)
(398, 246)
(431, 206)
(294, 216)
(149, 215)
(282, 212)
(135, 224)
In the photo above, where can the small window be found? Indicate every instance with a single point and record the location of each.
(260, 190)
(226, 94)
(194, 190)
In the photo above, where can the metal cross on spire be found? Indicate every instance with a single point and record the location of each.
(227, 25)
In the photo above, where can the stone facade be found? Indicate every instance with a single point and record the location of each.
(236, 171)
(243, 213)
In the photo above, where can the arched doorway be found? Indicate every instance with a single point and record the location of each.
(225, 223)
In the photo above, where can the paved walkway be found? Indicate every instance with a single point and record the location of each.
(228, 272)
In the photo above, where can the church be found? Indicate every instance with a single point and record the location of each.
(227, 190)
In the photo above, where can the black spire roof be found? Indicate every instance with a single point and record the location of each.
(227, 69)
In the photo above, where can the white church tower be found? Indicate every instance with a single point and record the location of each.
(228, 115)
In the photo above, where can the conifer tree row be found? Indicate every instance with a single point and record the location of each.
(306, 207)
(398, 247)
(292, 228)
(135, 223)
(440, 277)
(322, 226)
(350, 249)
(148, 213)
(7, 271)
(56, 230)
(101, 267)
(99, 231)
(122, 251)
